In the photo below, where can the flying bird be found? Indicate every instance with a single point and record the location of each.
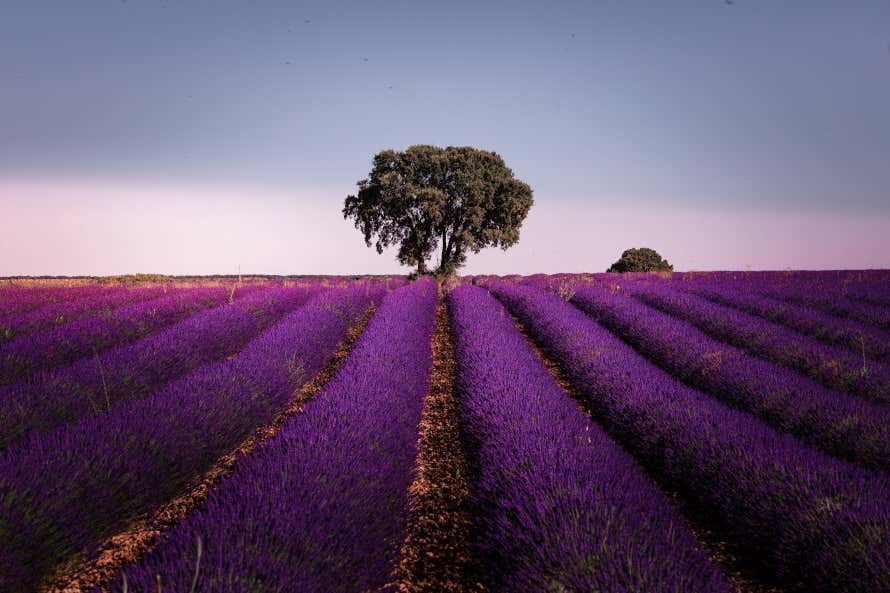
(307, 21)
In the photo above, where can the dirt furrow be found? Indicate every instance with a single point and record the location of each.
(436, 555)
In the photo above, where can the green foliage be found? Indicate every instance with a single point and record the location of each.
(641, 260)
(135, 279)
(457, 199)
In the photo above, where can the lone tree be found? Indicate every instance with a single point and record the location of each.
(641, 260)
(458, 199)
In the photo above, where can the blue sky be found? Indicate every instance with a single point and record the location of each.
(763, 107)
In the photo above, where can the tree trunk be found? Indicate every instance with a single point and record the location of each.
(447, 256)
(421, 262)
(442, 259)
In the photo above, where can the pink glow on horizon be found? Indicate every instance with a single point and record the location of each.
(82, 228)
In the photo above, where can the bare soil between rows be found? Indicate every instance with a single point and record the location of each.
(436, 556)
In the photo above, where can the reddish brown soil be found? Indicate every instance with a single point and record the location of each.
(739, 573)
(436, 555)
(140, 537)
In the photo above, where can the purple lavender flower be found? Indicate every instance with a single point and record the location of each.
(558, 505)
(63, 491)
(51, 398)
(322, 506)
(805, 516)
(833, 366)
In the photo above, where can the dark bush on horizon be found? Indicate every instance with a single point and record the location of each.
(641, 259)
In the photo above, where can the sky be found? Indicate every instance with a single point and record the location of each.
(192, 137)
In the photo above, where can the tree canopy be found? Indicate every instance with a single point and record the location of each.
(641, 260)
(457, 199)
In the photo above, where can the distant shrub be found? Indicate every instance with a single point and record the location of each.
(135, 278)
(641, 259)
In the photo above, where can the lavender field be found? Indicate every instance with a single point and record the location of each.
(684, 432)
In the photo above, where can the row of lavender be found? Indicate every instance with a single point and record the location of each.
(806, 516)
(803, 324)
(844, 286)
(57, 396)
(854, 298)
(871, 287)
(838, 423)
(857, 337)
(559, 506)
(24, 311)
(64, 490)
(864, 302)
(17, 299)
(15, 323)
(31, 352)
(322, 506)
(833, 366)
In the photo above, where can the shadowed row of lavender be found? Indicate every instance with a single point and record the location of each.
(57, 396)
(15, 300)
(809, 518)
(16, 322)
(29, 353)
(322, 507)
(64, 490)
(560, 502)
(559, 505)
